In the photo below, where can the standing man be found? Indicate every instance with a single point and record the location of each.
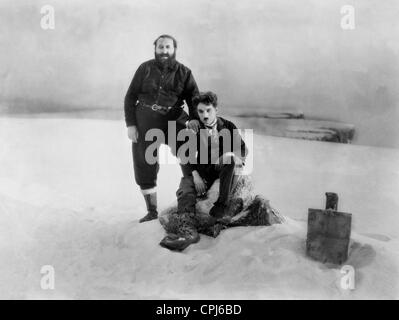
(155, 96)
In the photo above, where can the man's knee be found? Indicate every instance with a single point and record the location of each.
(145, 174)
(229, 159)
(228, 163)
(147, 180)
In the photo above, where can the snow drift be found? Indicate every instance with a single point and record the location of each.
(68, 199)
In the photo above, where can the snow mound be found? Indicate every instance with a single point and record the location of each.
(67, 199)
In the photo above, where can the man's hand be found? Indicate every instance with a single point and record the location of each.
(199, 183)
(132, 133)
(193, 125)
(228, 157)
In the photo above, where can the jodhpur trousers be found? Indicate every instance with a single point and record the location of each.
(145, 172)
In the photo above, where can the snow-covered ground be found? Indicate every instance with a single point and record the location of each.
(68, 199)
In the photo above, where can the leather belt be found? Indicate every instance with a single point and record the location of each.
(155, 107)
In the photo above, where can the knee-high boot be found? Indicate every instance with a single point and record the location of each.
(151, 203)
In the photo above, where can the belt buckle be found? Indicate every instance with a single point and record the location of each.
(155, 107)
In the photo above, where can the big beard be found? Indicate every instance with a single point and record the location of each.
(165, 63)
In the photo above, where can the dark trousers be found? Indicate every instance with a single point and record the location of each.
(187, 195)
(146, 173)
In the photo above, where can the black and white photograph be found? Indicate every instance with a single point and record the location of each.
(196, 150)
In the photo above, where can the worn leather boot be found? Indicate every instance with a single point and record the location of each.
(218, 210)
(151, 203)
(186, 233)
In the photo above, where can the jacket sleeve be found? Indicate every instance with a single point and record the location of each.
(195, 165)
(238, 145)
(132, 96)
(190, 90)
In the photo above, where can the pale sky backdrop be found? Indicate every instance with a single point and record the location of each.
(258, 54)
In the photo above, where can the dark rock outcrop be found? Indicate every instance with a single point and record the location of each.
(308, 129)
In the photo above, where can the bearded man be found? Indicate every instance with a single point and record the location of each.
(155, 96)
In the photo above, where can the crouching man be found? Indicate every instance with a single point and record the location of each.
(221, 154)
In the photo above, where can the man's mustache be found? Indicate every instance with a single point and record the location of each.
(165, 55)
